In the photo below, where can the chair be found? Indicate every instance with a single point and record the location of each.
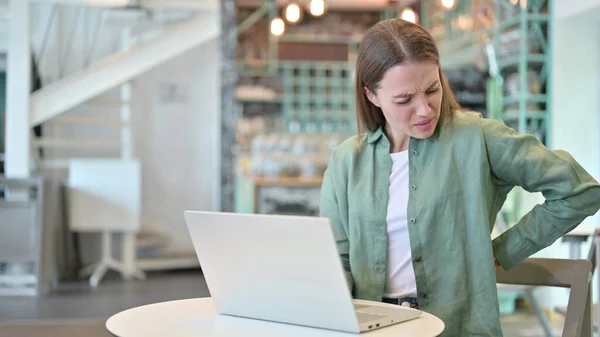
(105, 197)
(594, 256)
(564, 273)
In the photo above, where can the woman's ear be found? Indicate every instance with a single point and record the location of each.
(372, 97)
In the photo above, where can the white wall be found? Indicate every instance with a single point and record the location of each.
(178, 142)
(564, 9)
(576, 91)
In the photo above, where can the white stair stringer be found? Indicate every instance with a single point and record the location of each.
(118, 68)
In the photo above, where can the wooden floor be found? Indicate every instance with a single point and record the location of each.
(77, 310)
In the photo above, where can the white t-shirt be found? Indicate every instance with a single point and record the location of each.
(400, 276)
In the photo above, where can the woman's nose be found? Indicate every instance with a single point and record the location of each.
(423, 109)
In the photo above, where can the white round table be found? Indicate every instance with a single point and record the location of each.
(198, 318)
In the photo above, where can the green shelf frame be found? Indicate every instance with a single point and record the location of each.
(538, 116)
(516, 60)
(317, 96)
(528, 99)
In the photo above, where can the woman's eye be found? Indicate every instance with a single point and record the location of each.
(433, 91)
(403, 102)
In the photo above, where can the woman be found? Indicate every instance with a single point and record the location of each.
(413, 198)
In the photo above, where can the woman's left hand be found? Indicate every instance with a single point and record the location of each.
(496, 263)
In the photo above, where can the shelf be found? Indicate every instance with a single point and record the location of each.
(257, 99)
(541, 115)
(256, 94)
(13, 280)
(528, 99)
(18, 291)
(287, 181)
(513, 61)
(506, 24)
(452, 59)
(319, 98)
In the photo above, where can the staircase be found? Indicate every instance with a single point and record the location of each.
(88, 112)
(121, 67)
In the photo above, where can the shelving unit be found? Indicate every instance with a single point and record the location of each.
(509, 40)
(30, 217)
(495, 54)
(317, 97)
(299, 85)
(524, 74)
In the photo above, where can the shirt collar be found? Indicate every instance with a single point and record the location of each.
(373, 136)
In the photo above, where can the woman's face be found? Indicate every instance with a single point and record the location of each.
(410, 96)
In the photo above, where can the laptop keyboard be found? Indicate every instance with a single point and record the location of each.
(363, 317)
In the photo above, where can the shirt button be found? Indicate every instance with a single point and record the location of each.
(415, 152)
(413, 187)
(412, 220)
(423, 295)
(419, 259)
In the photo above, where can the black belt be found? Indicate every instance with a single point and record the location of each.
(404, 301)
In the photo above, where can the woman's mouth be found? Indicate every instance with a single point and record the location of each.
(425, 125)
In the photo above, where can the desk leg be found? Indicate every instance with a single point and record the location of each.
(126, 268)
(129, 258)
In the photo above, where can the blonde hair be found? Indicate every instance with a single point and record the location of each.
(386, 44)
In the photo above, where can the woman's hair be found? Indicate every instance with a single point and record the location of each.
(386, 44)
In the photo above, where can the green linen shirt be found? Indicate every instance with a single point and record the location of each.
(459, 179)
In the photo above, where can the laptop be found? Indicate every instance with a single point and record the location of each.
(282, 269)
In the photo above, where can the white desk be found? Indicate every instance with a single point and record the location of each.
(198, 318)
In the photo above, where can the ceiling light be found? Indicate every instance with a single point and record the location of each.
(448, 4)
(293, 13)
(409, 15)
(277, 26)
(317, 7)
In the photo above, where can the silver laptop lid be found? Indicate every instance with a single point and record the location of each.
(277, 268)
